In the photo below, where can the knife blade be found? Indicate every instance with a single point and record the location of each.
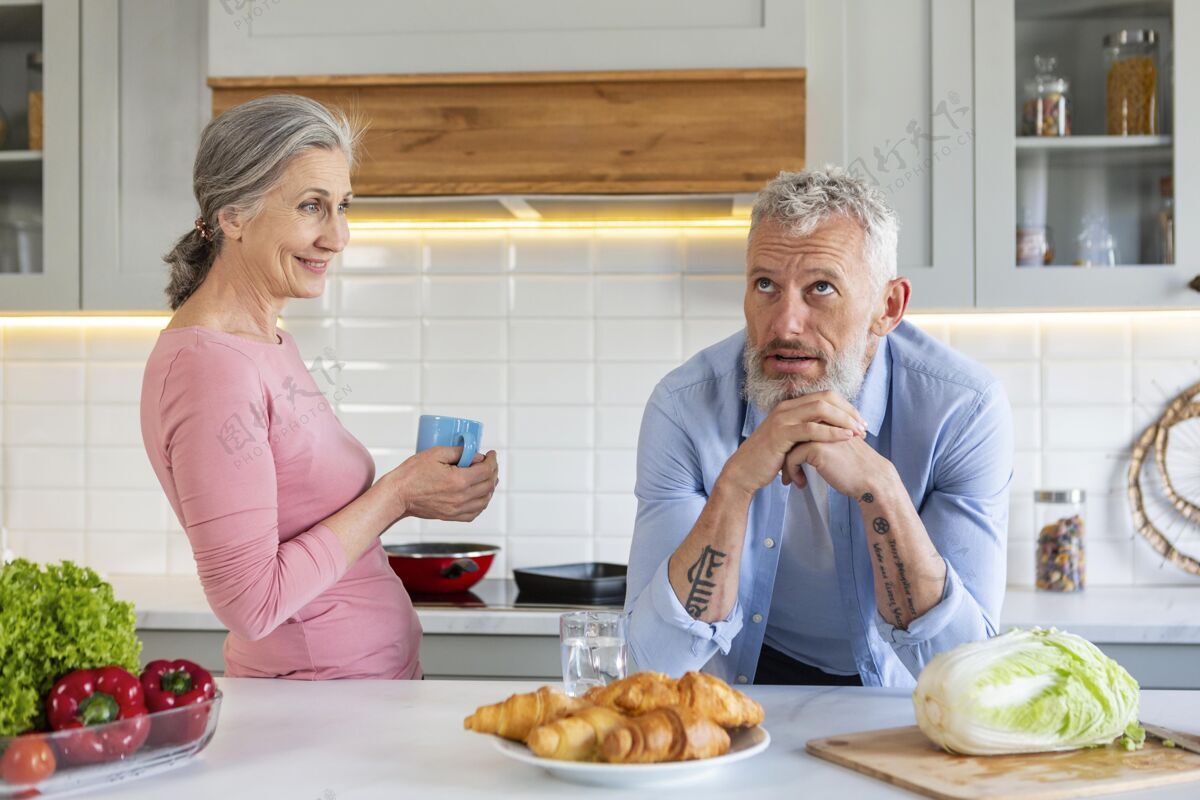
(1185, 741)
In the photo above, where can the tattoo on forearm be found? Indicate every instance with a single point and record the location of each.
(902, 576)
(700, 575)
(881, 526)
(892, 607)
(868, 497)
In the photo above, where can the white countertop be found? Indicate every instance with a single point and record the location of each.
(1105, 615)
(358, 740)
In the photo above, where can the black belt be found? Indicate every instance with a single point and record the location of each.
(777, 669)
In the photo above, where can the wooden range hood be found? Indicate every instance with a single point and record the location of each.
(643, 132)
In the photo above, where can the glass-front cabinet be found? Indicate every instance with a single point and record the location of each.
(39, 154)
(1088, 153)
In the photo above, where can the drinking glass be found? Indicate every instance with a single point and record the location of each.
(593, 649)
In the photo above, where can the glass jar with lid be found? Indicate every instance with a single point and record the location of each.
(1131, 83)
(1058, 517)
(1047, 107)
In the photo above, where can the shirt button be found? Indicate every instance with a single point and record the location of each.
(742, 679)
(768, 543)
(756, 618)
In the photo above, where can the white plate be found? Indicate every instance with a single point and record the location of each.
(744, 744)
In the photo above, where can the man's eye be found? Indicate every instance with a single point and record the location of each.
(823, 288)
(764, 284)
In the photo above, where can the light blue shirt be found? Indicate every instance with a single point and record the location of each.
(940, 418)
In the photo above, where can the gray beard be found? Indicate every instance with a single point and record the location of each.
(844, 374)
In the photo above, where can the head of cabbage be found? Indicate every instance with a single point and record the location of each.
(1026, 691)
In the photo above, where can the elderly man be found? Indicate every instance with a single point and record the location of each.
(823, 497)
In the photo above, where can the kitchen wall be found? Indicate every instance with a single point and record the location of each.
(553, 339)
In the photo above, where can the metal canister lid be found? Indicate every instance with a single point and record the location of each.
(1059, 496)
(1143, 36)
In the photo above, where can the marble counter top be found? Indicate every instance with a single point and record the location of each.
(1105, 615)
(361, 740)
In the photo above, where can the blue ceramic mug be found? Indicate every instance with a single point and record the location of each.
(438, 431)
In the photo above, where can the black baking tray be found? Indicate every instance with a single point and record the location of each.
(587, 582)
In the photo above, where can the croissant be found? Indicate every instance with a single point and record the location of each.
(636, 694)
(575, 737)
(515, 717)
(674, 733)
(714, 699)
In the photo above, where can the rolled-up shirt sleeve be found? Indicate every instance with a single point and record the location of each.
(966, 517)
(229, 505)
(670, 494)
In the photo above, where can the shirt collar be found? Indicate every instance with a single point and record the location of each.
(872, 398)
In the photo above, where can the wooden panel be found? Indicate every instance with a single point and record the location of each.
(905, 757)
(634, 132)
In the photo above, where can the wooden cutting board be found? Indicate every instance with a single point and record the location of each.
(905, 757)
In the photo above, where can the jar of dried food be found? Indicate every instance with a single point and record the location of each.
(1047, 107)
(1131, 66)
(1058, 519)
(33, 79)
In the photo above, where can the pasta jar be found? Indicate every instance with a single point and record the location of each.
(1131, 66)
(1058, 518)
(1047, 107)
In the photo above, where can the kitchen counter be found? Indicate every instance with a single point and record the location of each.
(357, 740)
(1127, 615)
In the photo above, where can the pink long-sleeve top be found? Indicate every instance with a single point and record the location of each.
(252, 458)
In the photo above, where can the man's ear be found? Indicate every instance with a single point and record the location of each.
(895, 303)
(232, 223)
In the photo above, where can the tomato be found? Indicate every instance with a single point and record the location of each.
(28, 759)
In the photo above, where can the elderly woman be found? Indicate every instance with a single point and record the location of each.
(279, 501)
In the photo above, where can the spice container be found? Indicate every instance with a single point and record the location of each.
(1047, 107)
(33, 80)
(1058, 518)
(1166, 221)
(1131, 65)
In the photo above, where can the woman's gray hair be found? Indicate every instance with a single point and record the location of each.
(243, 154)
(800, 201)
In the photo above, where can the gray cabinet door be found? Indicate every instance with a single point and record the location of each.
(144, 105)
(56, 287)
(359, 37)
(890, 98)
(1003, 285)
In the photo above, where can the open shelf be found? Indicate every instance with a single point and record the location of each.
(1094, 142)
(20, 165)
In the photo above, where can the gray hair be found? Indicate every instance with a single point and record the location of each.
(800, 201)
(243, 154)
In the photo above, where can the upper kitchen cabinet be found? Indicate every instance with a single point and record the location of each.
(1088, 152)
(374, 37)
(39, 155)
(144, 105)
(890, 96)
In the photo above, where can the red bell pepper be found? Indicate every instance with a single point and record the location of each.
(106, 709)
(175, 685)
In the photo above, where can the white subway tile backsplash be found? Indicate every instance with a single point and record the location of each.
(114, 424)
(612, 550)
(43, 424)
(550, 339)
(121, 344)
(36, 343)
(45, 509)
(722, 252)
(1089, 427)
(1027, 427)
(639, 340)
(1022, 560)
(1021, 379)
(546, 551)
(570, 297)
(1109, 562)
(379, 297)
(114, 382)
(45, 467)
(47, 546)
(180, 560)
(464, 339)
(555, 252)
(320, 306)
(119, 468)
(1098, 382)
(1156, 382)
(381, 382)
(552, 515)
(128, 553)
(313, 337)
(43, 382)
(463, 382)
(1166, 336)
(615, 514)
(1027, 472)
(545, 470)
(552, 426)
(615, 470)
(454, 296)
(378, 340)
(629, 383)
(714, 296)
(1151, 569)
(377, 426)
(701, 333)
(618, 426)
(126, 510)
(997, 339)
(451, 253)
(638, 296)
(382, 252)
(617, 251)
(1077, 336)
(550, 383)
(1101, 473)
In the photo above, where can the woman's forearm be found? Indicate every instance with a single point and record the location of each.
(360, 522)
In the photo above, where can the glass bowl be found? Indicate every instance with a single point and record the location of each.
(174, 737)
